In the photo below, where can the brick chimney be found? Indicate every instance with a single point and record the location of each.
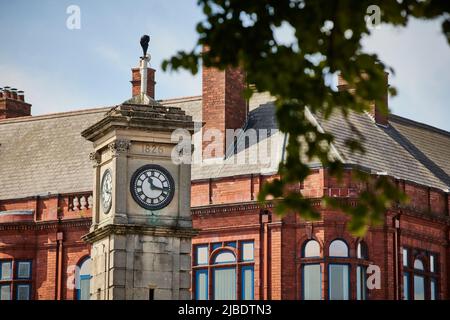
(223, 107)
(136, 82)
(12, 104)
(376, 111)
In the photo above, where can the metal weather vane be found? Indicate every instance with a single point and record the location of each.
(145, 39)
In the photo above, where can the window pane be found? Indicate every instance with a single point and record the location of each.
(247, 283)
(312, 282)
(225, 257)
(202, 255)
(312, 249)
(339, 282)
(247, 251)
(85, 268)
(231, 244)
(418, 264)
(225, 284)
(5, 292)
(405, 257)
(432, 264)
(23, 292)
(24, 270)
(216, 245)
(361, 288)
(5, 272)
(419, 288)
(338, 248)
(433, 289)
(84, 288)
(361, 252)
(201, 285)
(405, 286)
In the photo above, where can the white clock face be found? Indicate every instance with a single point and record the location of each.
(152, 187)
(106, 191)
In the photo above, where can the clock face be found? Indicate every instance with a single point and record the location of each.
(152, 187)
(106, 191)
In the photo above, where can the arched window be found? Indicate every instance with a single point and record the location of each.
(311, 249)
(418, 264)
(361, 272)
(361, 250)
(419, 281)
(338, 273)
(224, 265)
(420, 275)
(224, 256)
(83, 279)
(311, 272)
(338, 248)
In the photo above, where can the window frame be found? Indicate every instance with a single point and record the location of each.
(303, 279)
(252, 269)
(346, 244)
(201, 271)
(427, 274)
(14, 281)
(79, 277)
(363, 284)
(303, 253)
(196, 255)
(349, 288)
(17, 263)
(214, 249)
(213, 282)
(16, 290)
(362, 246)
(241, 249)
(10, 262)
(7, 284)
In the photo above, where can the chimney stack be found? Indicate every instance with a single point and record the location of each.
(376, 110)
(223, 107)
(136, 82)
(12, 104)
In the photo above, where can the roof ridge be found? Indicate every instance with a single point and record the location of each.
(406, 121)
(54, 115)
(180, 99)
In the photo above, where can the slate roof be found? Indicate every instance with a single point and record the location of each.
(386, 151)
(46, 154)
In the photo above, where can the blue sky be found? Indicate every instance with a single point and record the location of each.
(61, 69)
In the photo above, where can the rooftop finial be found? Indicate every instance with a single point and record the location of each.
(145, 39)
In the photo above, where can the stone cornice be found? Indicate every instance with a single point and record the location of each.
(123, 229)
(229, 208)
(429, 216)
(423, 237)
(141, 117)
(46, 225)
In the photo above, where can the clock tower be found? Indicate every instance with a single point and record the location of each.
(141, 225)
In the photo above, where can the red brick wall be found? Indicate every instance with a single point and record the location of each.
(223, 105)
(233, 215)
(13, 108)
(136, 82)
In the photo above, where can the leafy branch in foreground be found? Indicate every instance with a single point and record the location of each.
(325, 40)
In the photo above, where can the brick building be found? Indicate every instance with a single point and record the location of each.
(243, 250)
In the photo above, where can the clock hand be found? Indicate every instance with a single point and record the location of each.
(152, 186)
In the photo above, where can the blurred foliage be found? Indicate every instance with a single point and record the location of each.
(325, 39)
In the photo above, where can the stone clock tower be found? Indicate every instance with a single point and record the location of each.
(141, 226)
